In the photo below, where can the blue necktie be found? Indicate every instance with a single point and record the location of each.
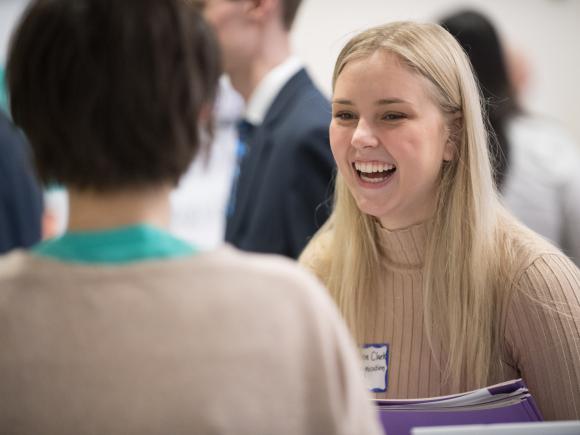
(245, 130)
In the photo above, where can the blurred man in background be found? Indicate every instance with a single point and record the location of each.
(285, 164)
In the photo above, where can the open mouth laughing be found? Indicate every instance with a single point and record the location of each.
(374, 172)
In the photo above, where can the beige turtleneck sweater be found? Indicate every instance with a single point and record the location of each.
(542, 345)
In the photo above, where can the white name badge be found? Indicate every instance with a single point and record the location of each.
(375, 359)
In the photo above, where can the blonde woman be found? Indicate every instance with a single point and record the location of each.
(443, 289)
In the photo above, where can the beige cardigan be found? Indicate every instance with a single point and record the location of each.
(219, 343)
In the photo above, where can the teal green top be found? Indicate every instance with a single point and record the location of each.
(117, 246)
(3, 96)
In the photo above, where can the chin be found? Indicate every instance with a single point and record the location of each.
(373, 211)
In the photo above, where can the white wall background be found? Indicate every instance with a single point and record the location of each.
(548, 32)
(9, 12)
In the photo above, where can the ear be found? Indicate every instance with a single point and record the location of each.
(261, 10)
(453, 138)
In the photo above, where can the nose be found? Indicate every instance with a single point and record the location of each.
(363, 136)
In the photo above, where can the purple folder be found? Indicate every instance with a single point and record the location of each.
(502, 403)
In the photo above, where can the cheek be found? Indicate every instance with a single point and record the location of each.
(223, 23)
(213, 17)
(339, 142)
(423, 149)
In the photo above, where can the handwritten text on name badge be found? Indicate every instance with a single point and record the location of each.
(375, 359)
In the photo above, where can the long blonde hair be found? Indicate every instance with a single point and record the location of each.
(463, 254)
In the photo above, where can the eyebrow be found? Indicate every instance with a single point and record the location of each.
(381, 102)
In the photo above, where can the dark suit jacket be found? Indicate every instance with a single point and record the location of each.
(20, 195)
(284, 188)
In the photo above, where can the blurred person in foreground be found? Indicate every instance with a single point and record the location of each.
(279, 196)
(117, 327)
(419, 254)
(536, 163)
(20, 193)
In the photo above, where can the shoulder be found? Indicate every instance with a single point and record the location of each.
(13, 264)
(305, 92)
(307, 110)
(12, 144)
(257, 274)
(311, 101)
(235, 280)
(549, 278)
(16, 267)
(540, 271)
(316, 255)
(543, 288)
(542, 325)
(300, 138)
(275, 291)
(266, 266)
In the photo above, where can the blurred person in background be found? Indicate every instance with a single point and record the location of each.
(20, 193)
(53, 202)
(283, 181)
(199, 202)
(536, 163)
(118, 327)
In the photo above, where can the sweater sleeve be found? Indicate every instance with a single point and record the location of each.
(570, 206)
(543, 334)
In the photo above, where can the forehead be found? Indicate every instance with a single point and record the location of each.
(379, 75)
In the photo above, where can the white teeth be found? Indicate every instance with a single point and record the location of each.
(369, 168)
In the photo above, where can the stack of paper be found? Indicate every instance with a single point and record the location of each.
(502, 403)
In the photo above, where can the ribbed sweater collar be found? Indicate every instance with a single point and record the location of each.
(404, 248)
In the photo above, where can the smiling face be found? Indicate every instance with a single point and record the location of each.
(389, 139)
